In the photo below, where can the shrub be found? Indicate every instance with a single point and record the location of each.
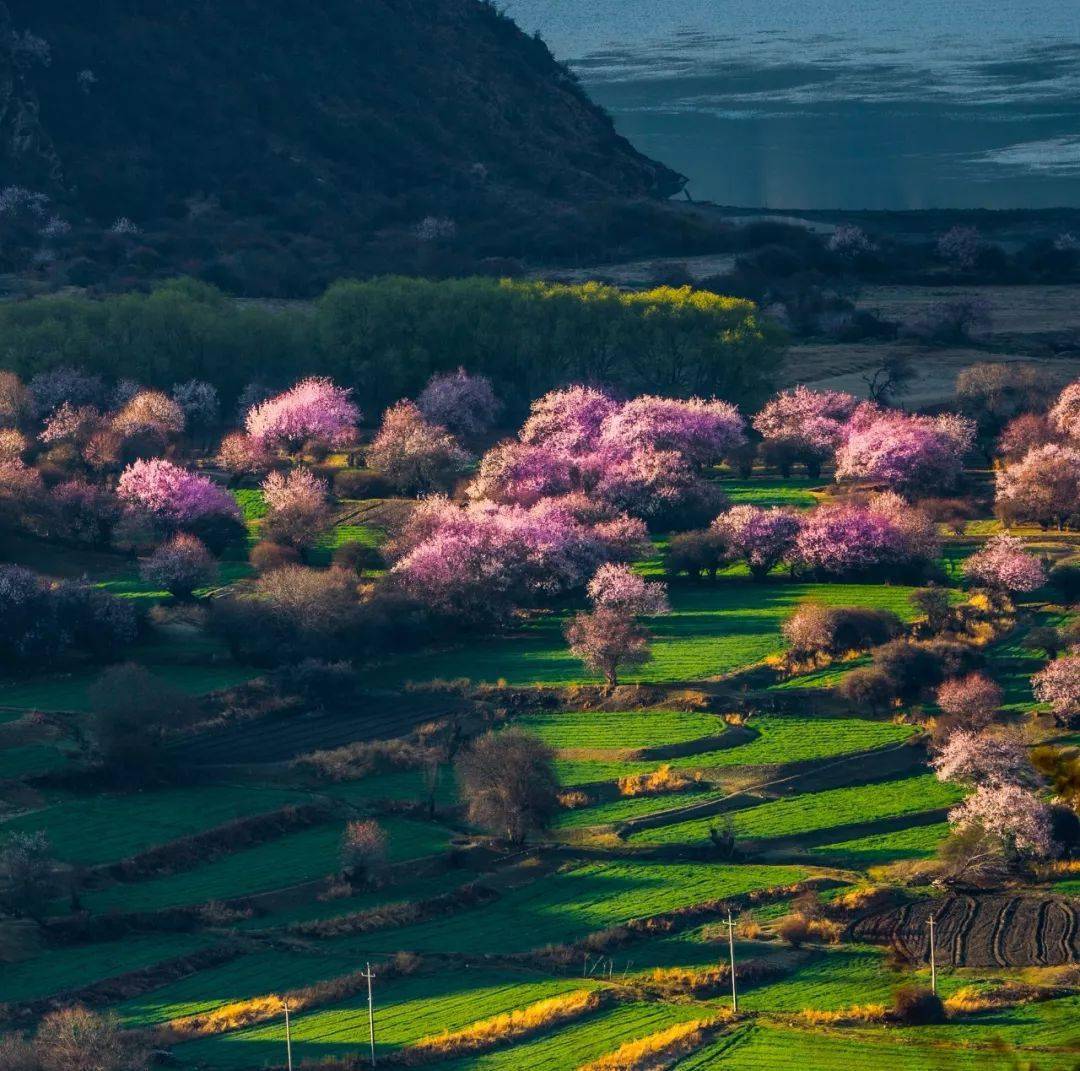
(658, 783)
(180, 566)
(26, 873)
(77, 1039)
(913, 667)
(815, 629)
(363, 850)
(360, 483)
(1065, 578)
(508, 782)
(795, 930)
(317, 681)
(357, 557)
(266, 556)
(869, 687)
(695, 553)
(917, 1006)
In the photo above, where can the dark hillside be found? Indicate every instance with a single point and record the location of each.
(319, 133)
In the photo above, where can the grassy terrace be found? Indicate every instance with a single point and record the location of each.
(289, 860)
(817, 811)
(714, 629)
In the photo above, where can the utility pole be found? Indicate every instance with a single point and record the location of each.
(288, 1035)
(933, 958)
(370, 1013)
(731, 950)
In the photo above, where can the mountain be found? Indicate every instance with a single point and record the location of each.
(308, 138)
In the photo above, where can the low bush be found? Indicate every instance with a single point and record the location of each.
(915, 1005)
(267, 556)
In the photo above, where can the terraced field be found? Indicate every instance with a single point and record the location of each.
(816, 790)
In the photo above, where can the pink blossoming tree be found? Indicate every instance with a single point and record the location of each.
(973, 700)
(805, 425)
(297, 507)
(180, 565)
(315, 410)
(1010, 813)
(1058, 684)
(618, 587)
(703, 432)
(464, 404)
(1004, 566)
(762, 538)
(1065, 415)
(905, 452)
(1043, 487)
(414, 454)
(981, 758)
(172, 494)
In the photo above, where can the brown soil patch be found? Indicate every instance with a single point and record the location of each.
(982, 930)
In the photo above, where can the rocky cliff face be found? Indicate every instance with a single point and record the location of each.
(327, 131)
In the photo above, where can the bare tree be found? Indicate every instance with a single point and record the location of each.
(508, 780)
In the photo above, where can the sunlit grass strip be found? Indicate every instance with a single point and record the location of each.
(506, 1028)
(660, 1049)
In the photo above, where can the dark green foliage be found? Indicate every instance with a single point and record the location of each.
(271, 146)
(386, 337)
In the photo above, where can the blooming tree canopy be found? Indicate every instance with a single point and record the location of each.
(568, 421)
(1065, 415)
(313, 410)
(464, 404)
(618, 587)
(1059, 685)
(701, 431)
(414, 454)
(981, 758)
(180, 565)
(810, 424)
(173, 494)
(1004, 565)
(150, 412)
(904, 451)
(297, 507)
(762, 538)
(1011, 813)
(1043, 487)
(974, 699)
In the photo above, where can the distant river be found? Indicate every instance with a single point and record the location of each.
(838, 103)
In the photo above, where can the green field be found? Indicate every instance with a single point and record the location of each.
(107, 828)
(619, 730)
(817, 811)
(290, 860)
(919, 842)
(408, 1010)
(714, 629)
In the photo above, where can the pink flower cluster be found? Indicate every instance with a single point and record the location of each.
(641, 456)
(315, 409)
(619, 588)
(1013, 814)
(813, 423)
(483, 560)
(173, 494)
(845, 538)
(762, 538)
(904, 451)
(1004, 565)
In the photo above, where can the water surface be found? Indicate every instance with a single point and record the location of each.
(838, 103)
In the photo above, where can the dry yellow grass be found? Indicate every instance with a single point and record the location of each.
(657, 1049)
(510, 1026)
(857, 1013)
(657, 783)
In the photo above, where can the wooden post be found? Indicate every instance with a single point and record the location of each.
(731, 950)
(933, 958)
(370, 1015)
(288, 1036)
